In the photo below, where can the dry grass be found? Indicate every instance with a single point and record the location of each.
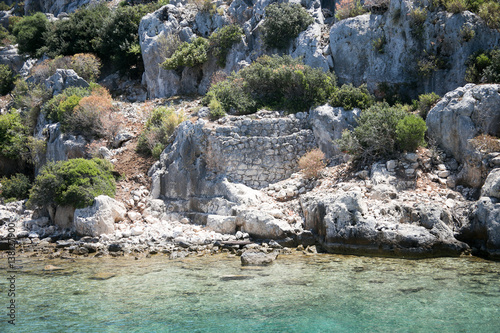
(312, 163)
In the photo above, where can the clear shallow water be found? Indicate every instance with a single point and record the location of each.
(323, 293)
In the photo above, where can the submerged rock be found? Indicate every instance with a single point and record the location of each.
(254, 258)
(99, 218)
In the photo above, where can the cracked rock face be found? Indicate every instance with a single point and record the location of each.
(387, 48)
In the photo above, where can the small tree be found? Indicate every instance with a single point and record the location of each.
(410, 132)
(29, 33)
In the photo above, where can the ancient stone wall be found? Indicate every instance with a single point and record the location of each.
(260, 151)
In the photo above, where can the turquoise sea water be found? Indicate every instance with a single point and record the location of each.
(321, 293)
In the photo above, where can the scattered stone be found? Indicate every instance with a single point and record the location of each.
(252, 258)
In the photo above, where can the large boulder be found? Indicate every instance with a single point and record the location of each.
(460, 116)
(9, 56)
(100, 218)
(389, 48)
(62, 79)
(256, 258)
(491, 187)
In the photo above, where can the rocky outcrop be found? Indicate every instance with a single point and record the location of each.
(391, 48)
(99, 218)
(10, 57)
(460, 116)
(54, 7)
(184, 22)
(349, 223)
(62, 79)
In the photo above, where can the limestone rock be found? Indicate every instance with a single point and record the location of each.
(483, 231)
(254, 258)
(395, 60)
(54, 7)
(99, 218)
(491, 187)
(460, 116)
(62, 79)
(327, 125)
(9, 56)
(348, 223)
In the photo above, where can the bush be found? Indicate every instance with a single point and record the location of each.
(232, 96)
(75, 183)
(157, 130)
(350, 97)
(29, 33)
(410, 133)
(456, 6)
(312, 163)
(29, 98)
(15, 188)
(223, 40)
(6, 80)
(216, 109)
(348, 8)
(283, 23)
(188, 54)
(274, 82)
(484, 67)
(375, 136)
(80, 33)
(425, 103)
(13, 135)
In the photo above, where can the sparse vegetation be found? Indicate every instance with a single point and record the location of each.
(312, 163)
(467, 33)
(379, 44)
(283, 23)
(75, 183)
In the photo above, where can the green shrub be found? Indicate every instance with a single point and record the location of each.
(232, 96)
(188, 54)
(29, 98)
(484, 67)
(417, 19)
(222, 40)
(375, 136)
(13, 135)
(425, 103)
(157, 130)
(5, 37)
(467, 33)
(410, 132)
(348, 8)
(286, 83)
(6, 80)
(350, 97)
(15, 187)
(4, 6)
(75, 183)
(273, 82)
(29, 33)
(490, 13)
(283, 23)
(456, 6)
(216, 109)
